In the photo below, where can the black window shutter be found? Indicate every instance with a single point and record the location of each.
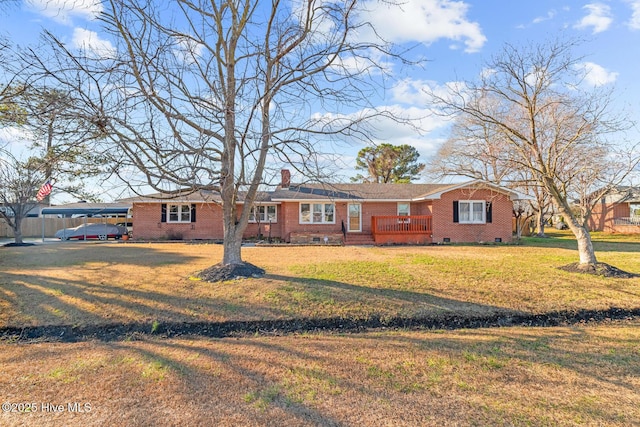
(455, 211)
(163, 215)
(489, 212)
(193, 212)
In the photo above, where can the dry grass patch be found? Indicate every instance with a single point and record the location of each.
(516, 376)
(95, 283)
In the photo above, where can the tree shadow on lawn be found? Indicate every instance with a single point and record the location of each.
(171, 382)
(104, 309)
(338, 380)
(240, 370)
(40, 307)
(37, 307)
(600, 244)
(417, 303)
(72, 255)
(30, 298)
(33, 298)
(574, 347)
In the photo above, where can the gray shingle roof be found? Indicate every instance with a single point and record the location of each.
(356, 191)
(363, 192)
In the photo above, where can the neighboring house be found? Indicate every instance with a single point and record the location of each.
(473, 211)
(33, 212)
(618, 211)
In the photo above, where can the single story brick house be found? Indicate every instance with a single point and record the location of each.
(474, 211)
(618, 211)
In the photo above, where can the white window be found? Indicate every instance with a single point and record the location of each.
(179, 213)
(404, 209)
(472, 211)
(263, 213)
(317, 213)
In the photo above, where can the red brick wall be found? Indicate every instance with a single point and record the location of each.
(290, 217)
(603, 215)
(252, 228)
(500, 227)
(208, 224)
(147, 224)
(423, 208)
(290, 221)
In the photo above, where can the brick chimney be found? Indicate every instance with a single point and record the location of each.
(286, 178)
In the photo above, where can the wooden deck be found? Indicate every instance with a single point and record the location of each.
(413, 229)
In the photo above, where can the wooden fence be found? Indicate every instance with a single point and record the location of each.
(32, 227)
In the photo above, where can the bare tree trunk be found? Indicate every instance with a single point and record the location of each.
(232, 246)
(540, 223)
(523, 221)
(518, 227)
(17, 230)
(585, 245)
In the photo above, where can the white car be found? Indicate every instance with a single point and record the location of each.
(92, 231)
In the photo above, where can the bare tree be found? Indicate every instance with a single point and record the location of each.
(547, 126)
(19, 183)
(476, 149)
(205, 96)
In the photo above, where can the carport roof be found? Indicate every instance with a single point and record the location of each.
(88, 209)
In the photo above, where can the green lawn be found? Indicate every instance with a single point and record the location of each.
(95, 283)
(577, 375)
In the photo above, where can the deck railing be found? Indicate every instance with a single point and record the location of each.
(629, 220)
(413, 224)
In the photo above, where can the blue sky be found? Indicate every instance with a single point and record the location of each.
(456, 37)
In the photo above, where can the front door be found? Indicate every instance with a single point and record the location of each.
(355, 217)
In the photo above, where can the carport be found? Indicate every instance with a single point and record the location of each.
(86, 210)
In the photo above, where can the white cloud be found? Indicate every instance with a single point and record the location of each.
(421, 121)
(389, 123)
(425, 21)
(187, 49)
(418, 92)
(373, 63)
(598, 18)
(634, 21)
(597, 75)
(550, 15)
(90, 42)
(424, 132)
(486, 73)
(410, 91)
(63, 11)
(15, 140)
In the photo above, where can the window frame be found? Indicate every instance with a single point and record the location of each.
(471, 219)
(264, 216)
(180, 212)
(405, 220)
(323, 212)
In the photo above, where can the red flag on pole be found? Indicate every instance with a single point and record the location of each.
(44, 191)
